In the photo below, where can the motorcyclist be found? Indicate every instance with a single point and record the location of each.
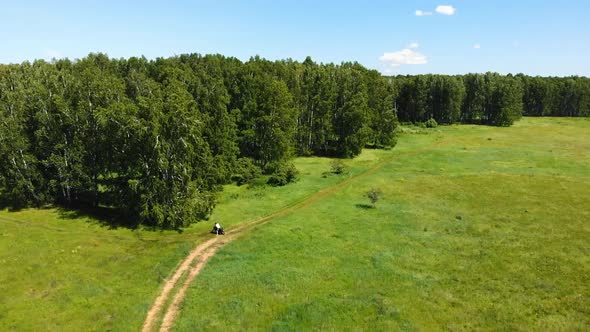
(217, 229)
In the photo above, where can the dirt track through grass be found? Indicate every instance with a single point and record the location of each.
(202, 253)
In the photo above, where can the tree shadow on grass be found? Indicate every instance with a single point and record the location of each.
(6, 204)
(364, 206)
(110, 218)
(106, 217)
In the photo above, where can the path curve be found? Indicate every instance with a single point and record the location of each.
(192, 265)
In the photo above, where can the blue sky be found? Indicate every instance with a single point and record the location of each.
(400, 37)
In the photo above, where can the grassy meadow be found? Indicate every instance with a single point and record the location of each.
(62, 274)
(477, 228)
(64, 271)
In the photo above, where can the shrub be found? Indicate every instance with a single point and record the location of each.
(246, 171)
(338, 167)
(431, 123)
(373, 195)
(283, 174)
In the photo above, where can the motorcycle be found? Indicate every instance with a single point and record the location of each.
(218, 231)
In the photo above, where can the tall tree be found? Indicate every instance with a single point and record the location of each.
(382, 113)
(20, 174)
(351, 111)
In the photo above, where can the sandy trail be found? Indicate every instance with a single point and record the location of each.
(200, 255)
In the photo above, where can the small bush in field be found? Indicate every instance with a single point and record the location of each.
(338, 167)
(431, 123)
(373, 195)
(283, 174)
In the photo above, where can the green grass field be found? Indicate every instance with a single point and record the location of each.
(487, 229)
(72, 274)
(60, 271)
(477, 228)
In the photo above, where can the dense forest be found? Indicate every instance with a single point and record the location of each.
(157, 138)
(490, 98)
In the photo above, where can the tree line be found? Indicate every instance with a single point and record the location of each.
(156, 139)
(489, 98)
(556, 96)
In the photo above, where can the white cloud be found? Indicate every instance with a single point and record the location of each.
(445, 10)
(423, 13)
(406, 56)
(414, 45)
(477, 46)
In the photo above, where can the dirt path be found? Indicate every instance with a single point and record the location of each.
(192, 265)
